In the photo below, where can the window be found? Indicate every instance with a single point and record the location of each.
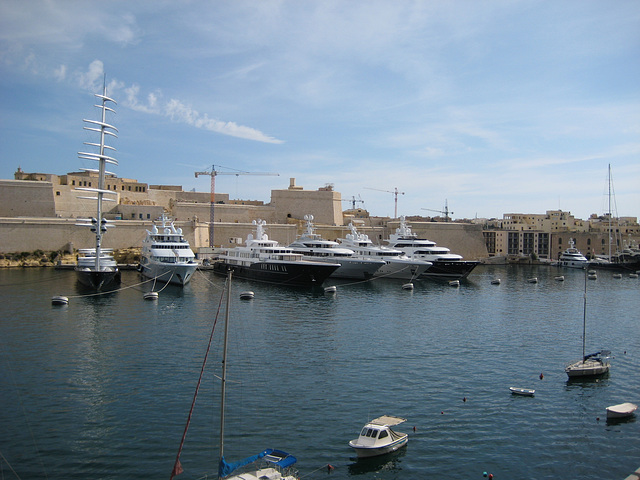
(58, 194)
(383, 434)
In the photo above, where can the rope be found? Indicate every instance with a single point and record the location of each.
(177, 467)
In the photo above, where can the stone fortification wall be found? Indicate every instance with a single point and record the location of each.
(223, 212)
(22, 198)
(324, 205)
(53, 234)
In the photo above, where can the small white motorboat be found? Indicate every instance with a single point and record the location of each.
(150, 296)
(407, 286)
(454, 283)
(495, 281)
(592, 276)
(560, 278)
(59, 300)
(377, 438)
(533, 280)
(617, 275)
(527, 392)
(633, 275)
(621, 410)
(248, 295)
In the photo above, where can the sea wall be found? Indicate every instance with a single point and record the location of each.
(59, 234)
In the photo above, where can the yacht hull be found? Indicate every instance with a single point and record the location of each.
(352, 268)
(408, 270)
(174, 274)
(296, 274)
(456, 270)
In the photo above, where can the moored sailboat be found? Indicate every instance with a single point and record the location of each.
(593, 364)
(96, 268)
(278, 464)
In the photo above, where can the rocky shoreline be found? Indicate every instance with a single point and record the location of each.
(39, 258)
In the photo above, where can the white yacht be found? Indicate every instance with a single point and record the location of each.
(313, 247)
(397, 264)
(265, 260)
(166, 254)
(96, 267)
(572, 257)
(446, 265)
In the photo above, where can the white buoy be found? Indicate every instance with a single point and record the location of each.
(248, 295)
(407, 286)
(592, 276)
(454, 283)
(495, 281)
(59, 300)
(560, 278)
(533, 280)
(151, 296)
(331, 289)
(617, 275)
(633, 275)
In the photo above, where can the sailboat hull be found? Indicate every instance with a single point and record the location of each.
(589, 368)
(98, 280)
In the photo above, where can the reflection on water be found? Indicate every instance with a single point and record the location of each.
(390, 462)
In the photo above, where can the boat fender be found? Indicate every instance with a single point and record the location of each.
(541, 375)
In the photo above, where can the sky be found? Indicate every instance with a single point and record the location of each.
(487, 107)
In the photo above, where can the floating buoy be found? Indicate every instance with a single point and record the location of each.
(533, 280)
(329, 467)
(560, 278)
(331, 289)
(617, 275)
(59, 300)
(633, 275)
(151, 296)
(407, 286)
(592, 276)
(248, 295)
(541, 375)
(464, 399)
(454, 283)
(495, 281)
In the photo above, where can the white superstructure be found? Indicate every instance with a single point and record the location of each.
(313, 247)
(397, 263)
(166, 254)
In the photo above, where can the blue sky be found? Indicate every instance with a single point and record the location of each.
(493, 106)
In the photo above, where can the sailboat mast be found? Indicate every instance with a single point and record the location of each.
(101, 174)
(584, 315)
(224, 365)
(610, 226)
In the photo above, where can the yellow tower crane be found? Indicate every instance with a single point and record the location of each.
(214, 173)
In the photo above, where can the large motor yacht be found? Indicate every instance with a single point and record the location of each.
(166, 254)
(266, 261)
(397, 264)
(572, 257)
(446, 265)
(313, 247)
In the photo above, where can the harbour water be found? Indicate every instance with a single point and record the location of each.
(101, 388)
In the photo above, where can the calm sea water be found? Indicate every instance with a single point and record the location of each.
(101, 388)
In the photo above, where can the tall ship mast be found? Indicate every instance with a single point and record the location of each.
(96, 267)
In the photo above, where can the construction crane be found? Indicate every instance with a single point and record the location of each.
(214, 173)
(445, 211)
(395, 193)
(354, 201)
